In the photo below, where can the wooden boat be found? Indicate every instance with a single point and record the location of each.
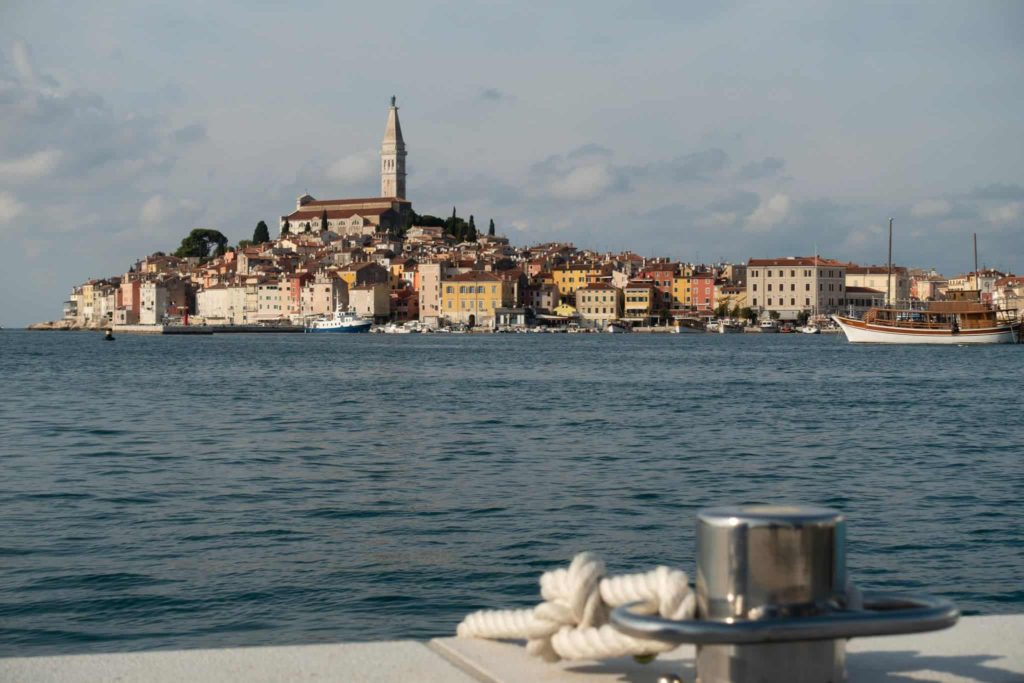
(964, 319)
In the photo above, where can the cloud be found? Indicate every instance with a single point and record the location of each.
(997, 191)
(190, 134)
(767, 167)
(1007, 213)
(10, 207)
(769, 213)
(931, 208)
(585, 173)
(157, 210)
(31, 166)
(587, 182)
(494, 95)
(354, 167)
(698, 166)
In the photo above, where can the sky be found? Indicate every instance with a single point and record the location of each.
(700, 131)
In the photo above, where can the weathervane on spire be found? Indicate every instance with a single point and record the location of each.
(392, 100)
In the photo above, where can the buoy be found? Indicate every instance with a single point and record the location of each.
(109, 336)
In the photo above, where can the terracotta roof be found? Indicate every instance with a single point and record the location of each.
(795, 261)
(358, 200)
(598, 285)
(304, 214)
(475, 276)
(863, 290)
(852, 269)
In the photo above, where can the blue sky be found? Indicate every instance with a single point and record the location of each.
(699, 131)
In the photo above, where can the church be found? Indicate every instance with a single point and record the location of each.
(361, 216)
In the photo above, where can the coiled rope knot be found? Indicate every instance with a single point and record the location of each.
(572, 622)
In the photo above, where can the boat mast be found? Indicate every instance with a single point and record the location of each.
(888, 280)
(977, 285)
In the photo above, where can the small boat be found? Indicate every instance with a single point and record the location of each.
(729, 327)
(108, 335)
(810, 328)
(769, 326)
(617, 327)
(341, 321)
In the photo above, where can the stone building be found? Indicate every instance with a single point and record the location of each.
(367, 215)
(796, 283)
(597, 304)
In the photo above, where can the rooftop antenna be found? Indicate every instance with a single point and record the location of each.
(888, 280)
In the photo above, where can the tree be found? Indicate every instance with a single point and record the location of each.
(308, 227)
(261, 234)
(774, 315)
(242, 244)
(748, 314)
(323, 221)
(802, 317)
(286, 228)
(736, 312)
(490, 228)
(469, 234)
(722, 309)
(200, 241)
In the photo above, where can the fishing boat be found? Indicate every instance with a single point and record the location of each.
(769, 326)
(810, 328)
(963, 319)
(340, 321)
(729, 327)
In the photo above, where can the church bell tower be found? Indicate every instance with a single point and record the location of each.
(392, 157)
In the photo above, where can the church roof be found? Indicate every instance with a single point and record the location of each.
(335, 213)
(364, 200)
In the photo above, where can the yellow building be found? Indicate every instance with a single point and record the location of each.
(682, 295)
(571, 276)
(638, 300)
(473, 297)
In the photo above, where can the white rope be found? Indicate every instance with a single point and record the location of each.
(572, 622)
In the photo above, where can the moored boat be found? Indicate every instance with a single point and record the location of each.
(769, 326)
(965, 319)
(617, 327)
(340, 321)
(729, 327)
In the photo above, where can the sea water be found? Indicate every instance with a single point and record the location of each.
(180, 492)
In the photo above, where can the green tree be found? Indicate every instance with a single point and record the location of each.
(802, 317)
(242, 244)
(736, 312)
(722, 309)
(429, 221)
(469, 233)
(308, 227)
(323, 221)
(261, 234)
(200, 241)
(774, 315)
(490, 228)
(748, 314)
(286, 228)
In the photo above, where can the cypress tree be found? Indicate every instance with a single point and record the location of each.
(261, 234)
(490, 228)
(286, 228)
(323, 221)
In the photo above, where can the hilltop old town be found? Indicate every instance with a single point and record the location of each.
(380, 259)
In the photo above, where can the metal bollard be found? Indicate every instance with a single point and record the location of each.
(773, 601)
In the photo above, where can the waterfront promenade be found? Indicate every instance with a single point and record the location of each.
(978, 649)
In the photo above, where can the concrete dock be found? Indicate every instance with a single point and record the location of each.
(987, 649)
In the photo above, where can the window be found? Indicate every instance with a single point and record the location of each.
(755, 301)
(755, 286)
(792, 273)
(769, 301)
(494, 288)
(807, 287)
(769, 273)
(462, 289)
(792, 288)
(792, 302)
(807, 301)
(769, 286)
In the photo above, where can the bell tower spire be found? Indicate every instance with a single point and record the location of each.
(392, 157)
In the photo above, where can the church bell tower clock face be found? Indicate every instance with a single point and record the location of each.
(392, 156)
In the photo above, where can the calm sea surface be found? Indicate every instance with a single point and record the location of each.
(169, 492)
